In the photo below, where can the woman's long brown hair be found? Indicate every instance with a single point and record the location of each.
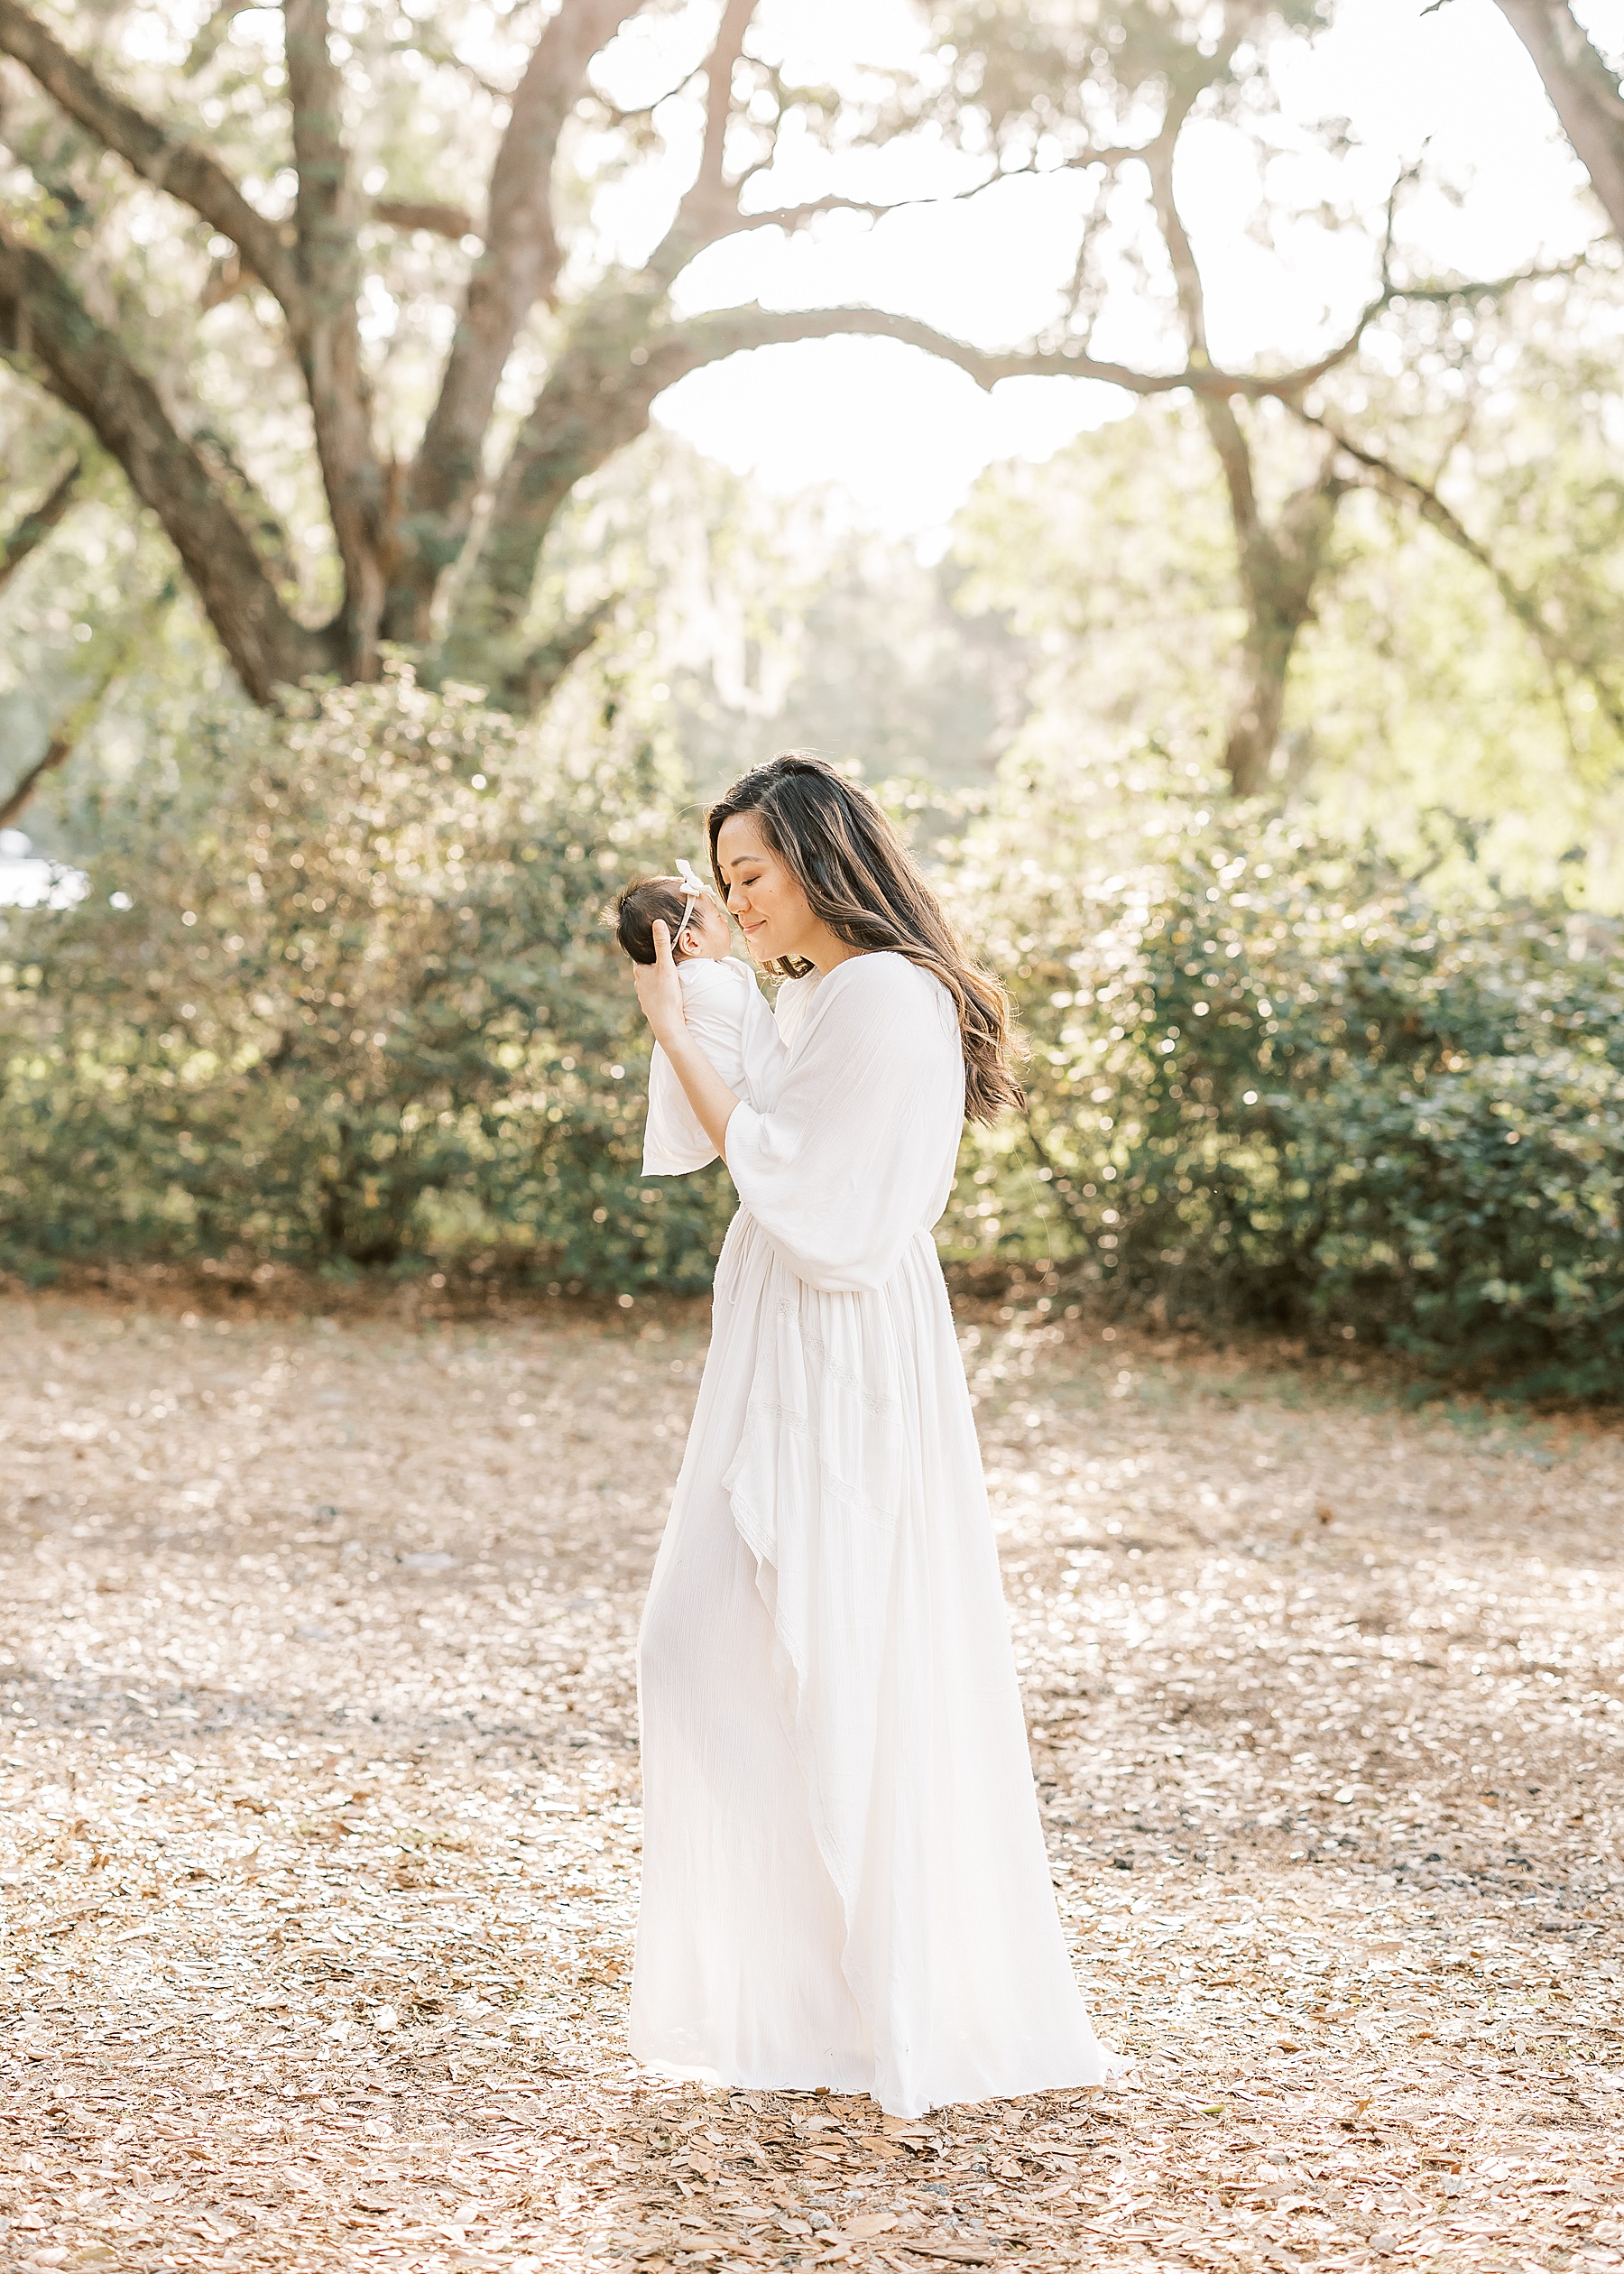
(859, 880)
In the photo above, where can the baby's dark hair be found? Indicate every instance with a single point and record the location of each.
(636, 909)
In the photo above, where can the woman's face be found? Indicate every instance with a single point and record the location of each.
(764, 898)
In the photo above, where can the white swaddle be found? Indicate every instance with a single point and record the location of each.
(730, 1018)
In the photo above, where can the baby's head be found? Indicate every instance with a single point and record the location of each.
(703, 938)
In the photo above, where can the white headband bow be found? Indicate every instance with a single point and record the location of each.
(693, 892)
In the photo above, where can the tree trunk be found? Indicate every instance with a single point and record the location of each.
(1279, 572)
(1255, 724)
(517, 269)
(1584, 93)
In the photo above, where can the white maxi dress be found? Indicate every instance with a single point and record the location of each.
(844, 1880)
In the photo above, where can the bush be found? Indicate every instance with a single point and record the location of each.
(341, 993)
(1270, 1078)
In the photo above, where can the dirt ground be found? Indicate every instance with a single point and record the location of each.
(318, 1856)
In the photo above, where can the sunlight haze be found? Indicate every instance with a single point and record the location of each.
(905, 436)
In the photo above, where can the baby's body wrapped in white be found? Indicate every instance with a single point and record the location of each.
(731, 1020)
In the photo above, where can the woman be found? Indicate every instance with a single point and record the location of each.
(844, 1880)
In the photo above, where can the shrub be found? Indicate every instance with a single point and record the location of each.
(1270, 1077)
(341, 993)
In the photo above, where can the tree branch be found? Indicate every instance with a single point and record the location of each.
(323, 214)
(249, 505)
(709, 208)
(86, 366)
(519, 266)
(642, 114)
(710, 188)
(57, 753)
(228, 279)
(1227, 435)
(423, 39)
(728, 331)
(598, 395)
(216, 31)
(439, 220)
(171, 165)
(232, 276)
(34, 527)
(796, 217)
(1585, 95)
(329, 337)
(1410, 489)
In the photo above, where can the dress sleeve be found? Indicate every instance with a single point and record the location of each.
(674, 1144)
(856, 1155)
(714, 1005)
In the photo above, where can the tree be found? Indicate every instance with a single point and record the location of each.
(436, 540)
(1584, 90)
(1411, 697)
(1116, 89)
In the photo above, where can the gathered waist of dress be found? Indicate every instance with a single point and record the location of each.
(749, 1245)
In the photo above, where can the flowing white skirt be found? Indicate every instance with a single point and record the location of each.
(845, 1879)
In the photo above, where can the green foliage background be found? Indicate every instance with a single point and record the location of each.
(1271, 1077)
(1349, 1056)
(340, 994)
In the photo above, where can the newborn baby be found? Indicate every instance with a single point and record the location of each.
(725, 1010)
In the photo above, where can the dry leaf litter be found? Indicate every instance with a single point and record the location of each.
(319, 1844)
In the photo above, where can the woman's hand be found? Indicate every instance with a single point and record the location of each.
(659, 988)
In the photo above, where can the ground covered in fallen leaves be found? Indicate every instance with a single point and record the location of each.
(319, 1834)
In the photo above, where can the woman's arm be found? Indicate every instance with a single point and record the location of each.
(660, 992)
(855, 1155)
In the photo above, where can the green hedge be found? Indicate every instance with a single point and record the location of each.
(341, 995)
(361, 1010)
(1270, 1078)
